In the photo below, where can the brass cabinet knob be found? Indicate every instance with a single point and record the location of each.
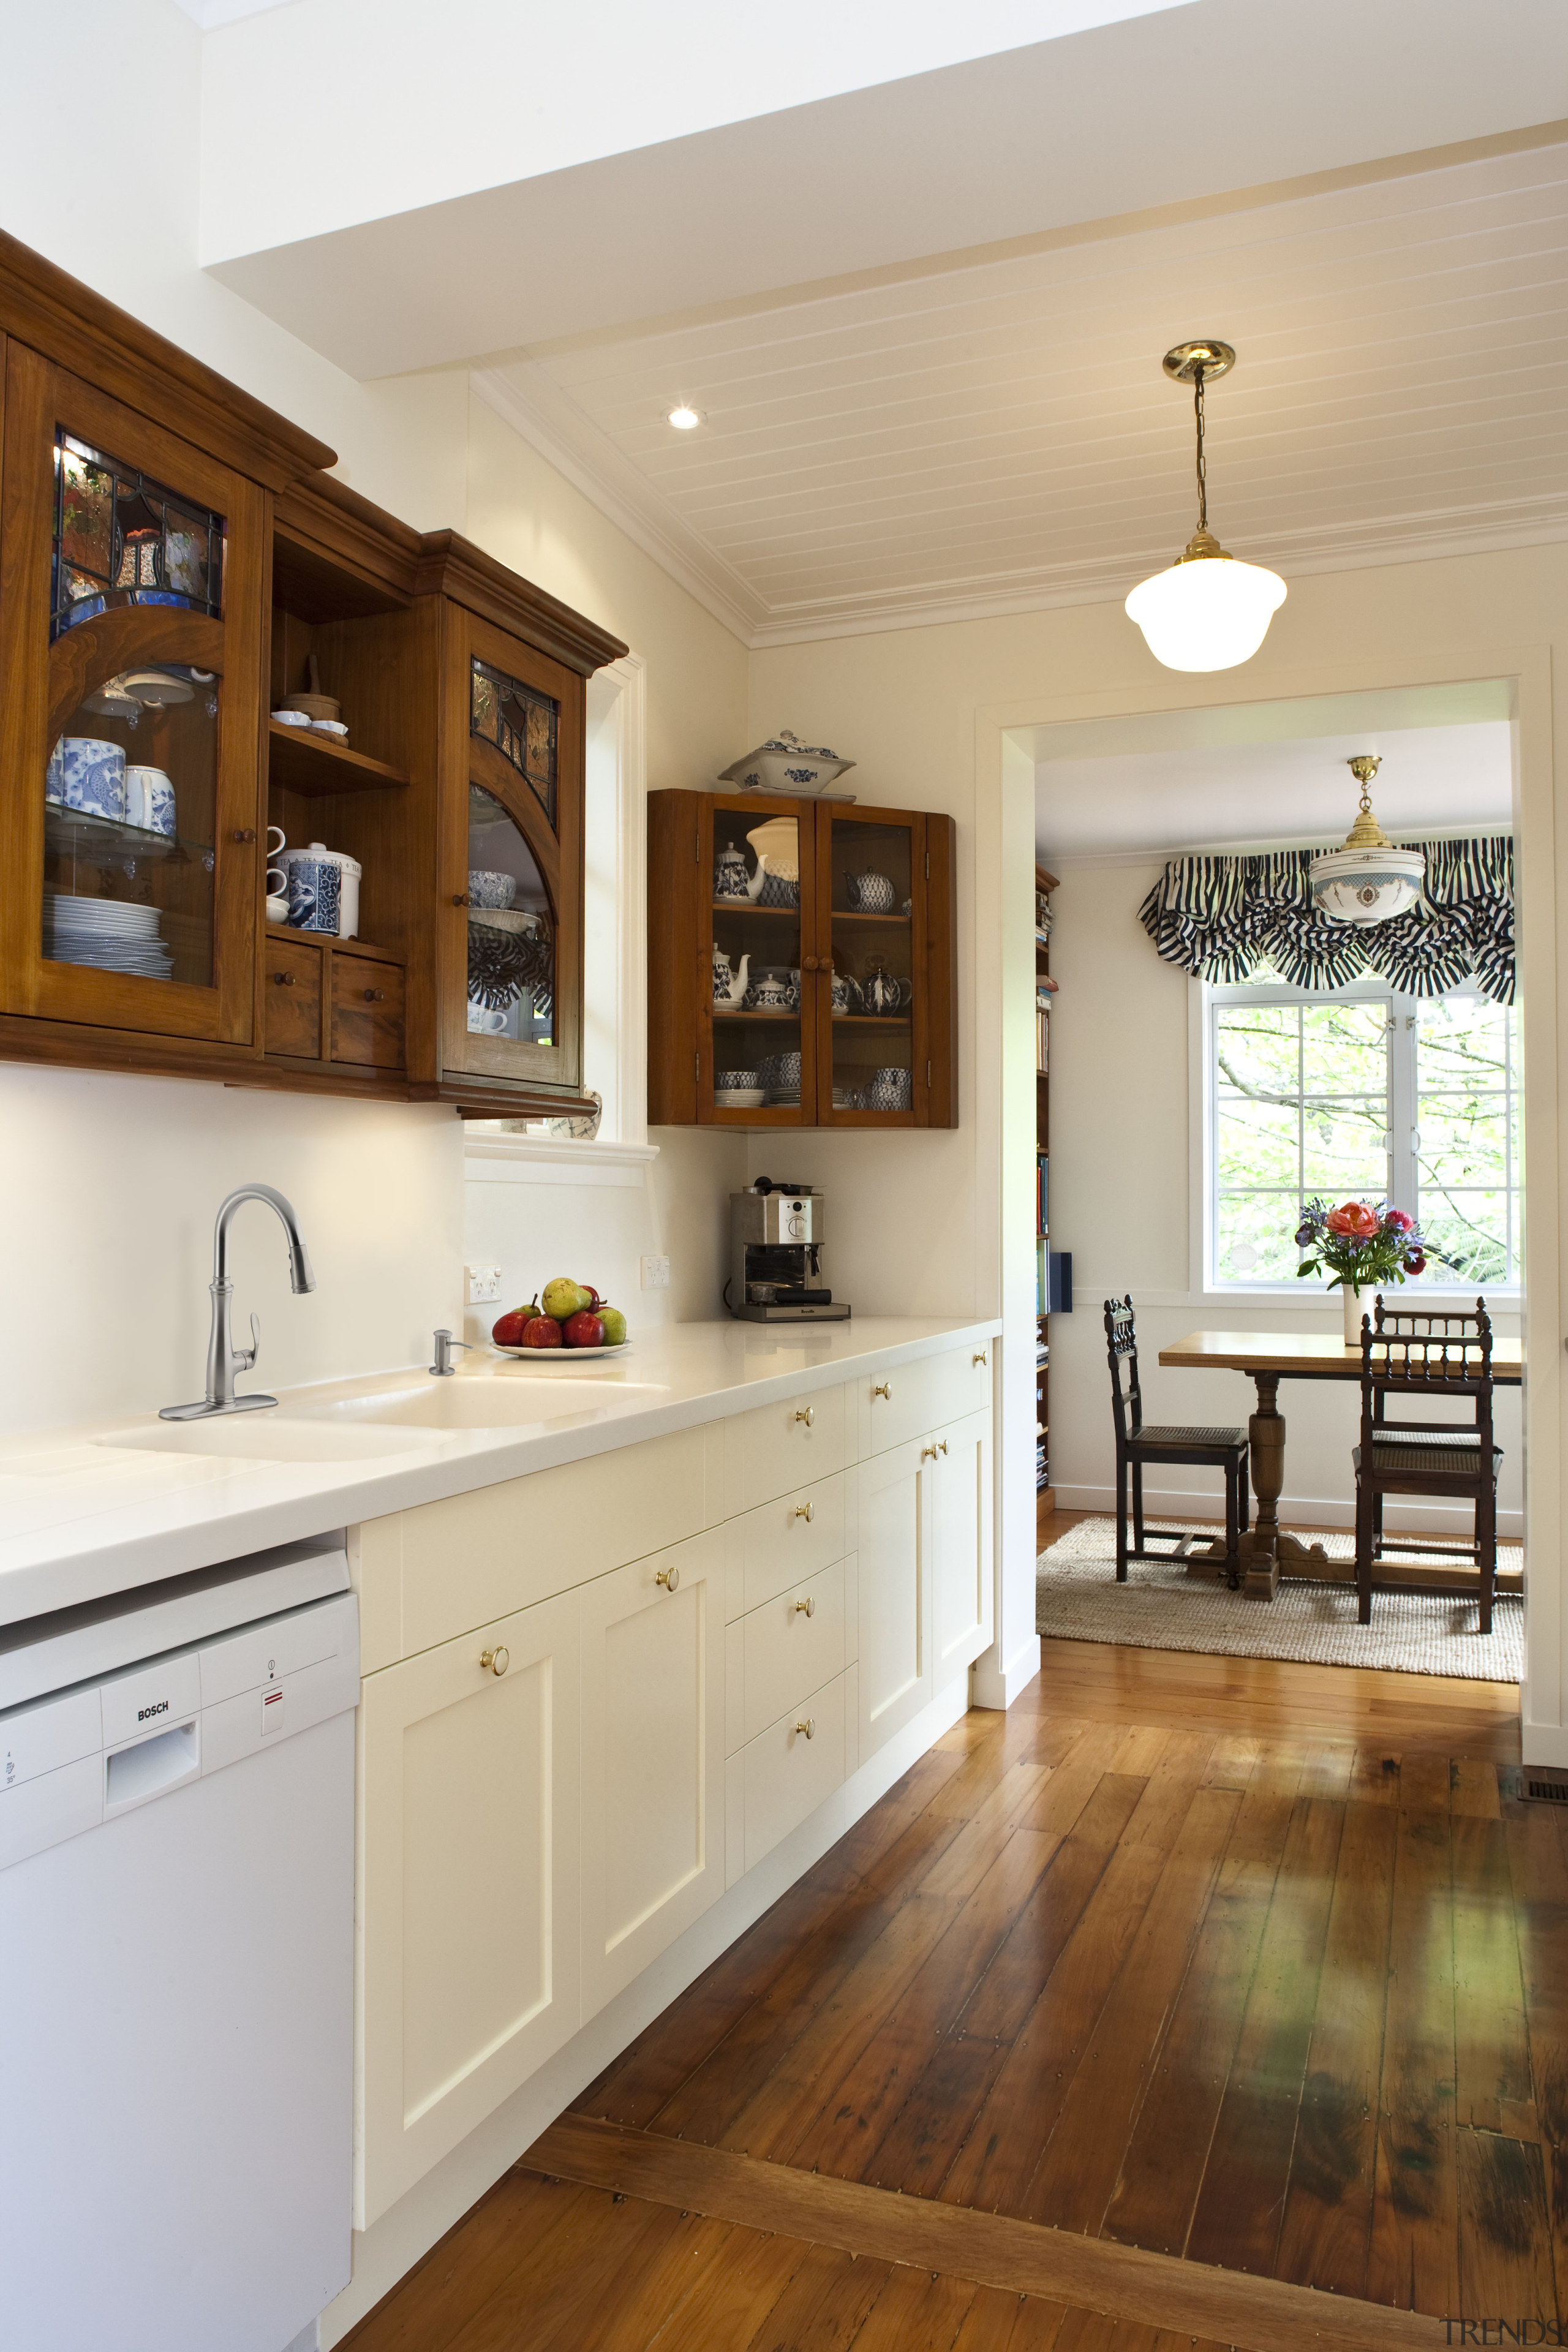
(669, 1577)
(375, 996)
(283, 979)
(928, 1453)
(941, 1445)
(807, 1511)
(808, 1415)
(806, 1608)
(807, 1724)
(497, 1660)
(980, 1357)
(883, 1389)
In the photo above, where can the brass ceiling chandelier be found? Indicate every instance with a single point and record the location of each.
(1368, 880)
(1206, 611)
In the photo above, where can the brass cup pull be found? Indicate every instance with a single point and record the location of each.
(807, 1511)
(283, 979)
(808, 1416)
(980, 1357)
(806, 1608)
(883, 1389)
(808, 1726)
(497, 1660)
(375, 996)
(669, 1577)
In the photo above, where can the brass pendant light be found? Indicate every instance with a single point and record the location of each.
(1368, 880)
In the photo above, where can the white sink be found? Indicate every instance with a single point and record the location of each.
(261, 1437)
(484, 1402)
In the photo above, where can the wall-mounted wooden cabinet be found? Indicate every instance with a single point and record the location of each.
(801, 963)
(174, 565)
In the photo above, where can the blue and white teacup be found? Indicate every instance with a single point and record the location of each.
(148, 800)
(87, 774)
(315, 889)
(891, 1090)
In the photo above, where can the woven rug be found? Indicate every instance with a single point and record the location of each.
(1077, 1599)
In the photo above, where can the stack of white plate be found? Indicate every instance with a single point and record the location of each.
(105, 932)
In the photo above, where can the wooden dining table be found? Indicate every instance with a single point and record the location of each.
(1270, 1356)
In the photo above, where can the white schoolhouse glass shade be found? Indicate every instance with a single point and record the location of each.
(1206, 612)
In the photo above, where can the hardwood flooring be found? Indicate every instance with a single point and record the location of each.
(1196, 2000)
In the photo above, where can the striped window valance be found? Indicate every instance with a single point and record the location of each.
(1226, 918)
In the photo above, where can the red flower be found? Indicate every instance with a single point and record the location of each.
(1416, 1263)
(1353, 1218)
(1397, 1219)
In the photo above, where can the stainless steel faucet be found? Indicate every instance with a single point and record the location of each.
(442, 1366)
(223, 1359)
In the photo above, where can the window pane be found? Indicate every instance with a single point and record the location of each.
(1257, 1142)
(1466, 1236)
(1256, 1051)
(1345, 1049)
(1254, 1239)
(1464, 1139)
(1466, 1117)
(1344, 1151)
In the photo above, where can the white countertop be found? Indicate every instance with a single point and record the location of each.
(81, 1516)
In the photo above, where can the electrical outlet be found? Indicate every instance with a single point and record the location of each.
(656, 1273)
(481, 1285)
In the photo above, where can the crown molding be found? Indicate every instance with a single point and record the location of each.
(1074, 861)
(528, 400)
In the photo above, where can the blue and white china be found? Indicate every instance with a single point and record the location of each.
(727, 1082)
(786, 1070)
(315, 887)
(778, 889)
(771, 988)
(785, 764)
(847, 1098)
(794, 988)
(891, 1090)
(872, 894)
(845, 995)
(729, 984)
(150, 800)
(731, 878)
(908, 909)
(486, 1020)
(881, 993)
(87, 774)
(486, 888)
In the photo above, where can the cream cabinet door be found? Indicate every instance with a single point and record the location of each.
(466, 1912)
(894, 1591)
(963, 1569)
(653, 1759)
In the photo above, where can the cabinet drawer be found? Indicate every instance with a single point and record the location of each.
(777, 1447)
(776, 1544)
(791, 1646)
(291, 1002)
(787, 1774)
(913, 1398)
(367, 1011)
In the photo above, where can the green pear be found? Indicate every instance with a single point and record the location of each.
(564, 1297)
(614, 1324)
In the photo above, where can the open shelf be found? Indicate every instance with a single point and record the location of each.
(316, 766)
(755, 1012)
(856, 915)
(749, 907)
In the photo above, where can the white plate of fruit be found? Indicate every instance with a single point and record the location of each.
(568, 1328)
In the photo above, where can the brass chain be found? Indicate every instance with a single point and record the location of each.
(1203, 472)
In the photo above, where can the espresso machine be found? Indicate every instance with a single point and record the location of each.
(776, 1256)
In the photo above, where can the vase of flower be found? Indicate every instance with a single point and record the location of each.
(1360, 1248)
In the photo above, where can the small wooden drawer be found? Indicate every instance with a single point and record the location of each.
(777, 1447)
(914, 1398)
(291, 997)
(367, 1011)
(781, 1542)
(791, 1646)
(787, 1774)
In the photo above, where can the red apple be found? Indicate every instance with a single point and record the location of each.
(585, 1330)
(507, 1331)
(543, 1332)
(595, 1299)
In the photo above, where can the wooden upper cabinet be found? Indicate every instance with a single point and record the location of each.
(131, 634)
(801, 963)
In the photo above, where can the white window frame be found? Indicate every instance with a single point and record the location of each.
(1401, 1183)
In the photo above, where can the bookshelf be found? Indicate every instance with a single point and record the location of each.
(1045, 994)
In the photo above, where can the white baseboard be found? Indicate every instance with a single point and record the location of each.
(1403, 1516)
(1543, 1743)
(390, 2248)
(991, 1685)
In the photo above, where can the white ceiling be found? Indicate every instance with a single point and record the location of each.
(1124, 791)
(1001, 436)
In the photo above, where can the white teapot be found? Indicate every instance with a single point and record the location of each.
(730, 986)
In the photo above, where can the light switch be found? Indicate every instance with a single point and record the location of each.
(656, 1273)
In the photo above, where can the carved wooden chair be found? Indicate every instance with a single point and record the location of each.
(1427, 1353)
(1138, 1441)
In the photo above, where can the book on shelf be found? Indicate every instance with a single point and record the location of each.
(1043, 1038)
(1045, 986)
(1042, 1168)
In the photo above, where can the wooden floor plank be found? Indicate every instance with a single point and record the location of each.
(1326, 2234)
(999, 2322)
(826, 2303)
(986, 2249)
(917, 2311)
(1491, 2041)
(1538, 1873)
(1415, 2256)
(725, 2306)
(522, 2219)
(1505, 2232)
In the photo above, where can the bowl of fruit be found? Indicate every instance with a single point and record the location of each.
(569, 1327)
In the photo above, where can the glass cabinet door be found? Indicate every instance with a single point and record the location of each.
(762, 1043)
(520, 825)
(137, 634)
(872, 1015)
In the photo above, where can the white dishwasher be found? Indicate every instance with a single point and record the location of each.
(176, 1960)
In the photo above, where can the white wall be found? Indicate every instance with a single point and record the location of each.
(1120, 1200)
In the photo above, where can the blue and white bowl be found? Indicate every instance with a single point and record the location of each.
(150, 801)
(729, 1082)
(785, 764)
(491, 889)
(87, 774)
(891, 1090)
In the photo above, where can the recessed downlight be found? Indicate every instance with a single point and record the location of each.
(684, 419)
